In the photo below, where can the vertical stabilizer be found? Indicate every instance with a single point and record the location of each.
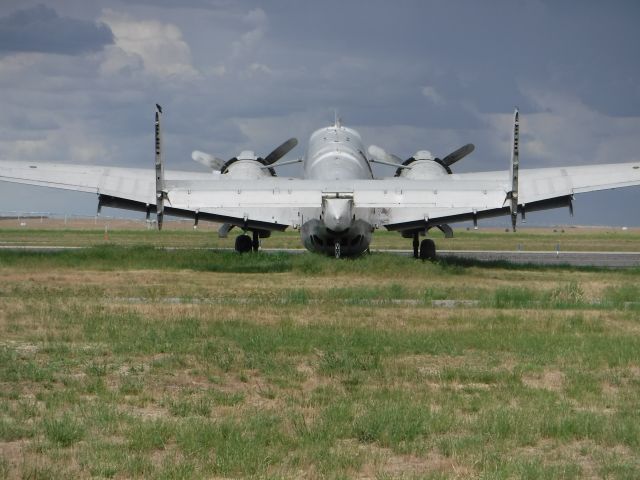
(515, 165)
(159, 171)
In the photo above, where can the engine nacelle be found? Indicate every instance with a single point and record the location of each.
(246, 166)
(423, 166)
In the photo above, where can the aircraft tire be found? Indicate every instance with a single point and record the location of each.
(427, 249)
(243, 244)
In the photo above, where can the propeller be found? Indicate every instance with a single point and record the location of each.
(380, 156)
(219, 164)
(208, 160)
(459, 154)
(279, 152)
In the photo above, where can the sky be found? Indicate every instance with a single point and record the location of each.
(79, 81)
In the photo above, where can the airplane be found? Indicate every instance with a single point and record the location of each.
(337, 204)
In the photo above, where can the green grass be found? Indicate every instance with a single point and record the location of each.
(64, 431)
(116, 363)
(115, 257)
(176, 235)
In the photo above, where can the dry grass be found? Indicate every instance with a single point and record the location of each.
(185, 374)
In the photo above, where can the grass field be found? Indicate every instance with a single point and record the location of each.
(181, 234)
(120, 362)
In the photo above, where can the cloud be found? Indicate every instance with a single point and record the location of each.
(155, 46)
(563, 130)
(431, 93)
(41, 29)
(196, 4)
(250, 40)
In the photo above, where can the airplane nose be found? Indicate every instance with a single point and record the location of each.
(338, 214)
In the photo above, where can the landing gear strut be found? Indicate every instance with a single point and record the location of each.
(255, 244)
(244, 243)
(337, 249)
(416, 244)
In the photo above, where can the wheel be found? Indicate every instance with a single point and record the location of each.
(243, 243)
(337, 249)
(255, 244)
(416, 244)
(427, 249)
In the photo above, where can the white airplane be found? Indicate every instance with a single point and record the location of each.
(337, 204)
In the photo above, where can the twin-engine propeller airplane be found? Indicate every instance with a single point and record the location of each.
(337, 204)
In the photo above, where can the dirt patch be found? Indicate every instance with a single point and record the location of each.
(14, 453)
(384, 462)
(313, 380)
(152, 412)
(552, 380)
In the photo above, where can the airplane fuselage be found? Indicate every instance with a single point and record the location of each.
(337, 153)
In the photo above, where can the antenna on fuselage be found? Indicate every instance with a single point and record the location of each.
(337, 121)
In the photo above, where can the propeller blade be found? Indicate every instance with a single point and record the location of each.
(280, 152)
(458, 154)
(383, 157)
(207, 160)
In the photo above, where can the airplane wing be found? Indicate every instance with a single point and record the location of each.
(133, 183)
(274, 203)
(486, 193)
(135, 189)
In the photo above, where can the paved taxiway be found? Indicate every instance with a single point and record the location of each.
(596, 259)
(583, 259)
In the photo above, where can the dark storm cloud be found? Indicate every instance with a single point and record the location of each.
(204, 4)
(41, 29)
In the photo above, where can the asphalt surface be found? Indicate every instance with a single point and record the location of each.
(596, 259)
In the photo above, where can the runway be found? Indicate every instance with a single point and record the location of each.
(584, 259)
(594, 259)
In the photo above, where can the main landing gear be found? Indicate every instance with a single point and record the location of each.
(425, 250)
(245, 243)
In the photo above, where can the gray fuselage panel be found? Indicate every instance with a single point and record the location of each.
(337, 153)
